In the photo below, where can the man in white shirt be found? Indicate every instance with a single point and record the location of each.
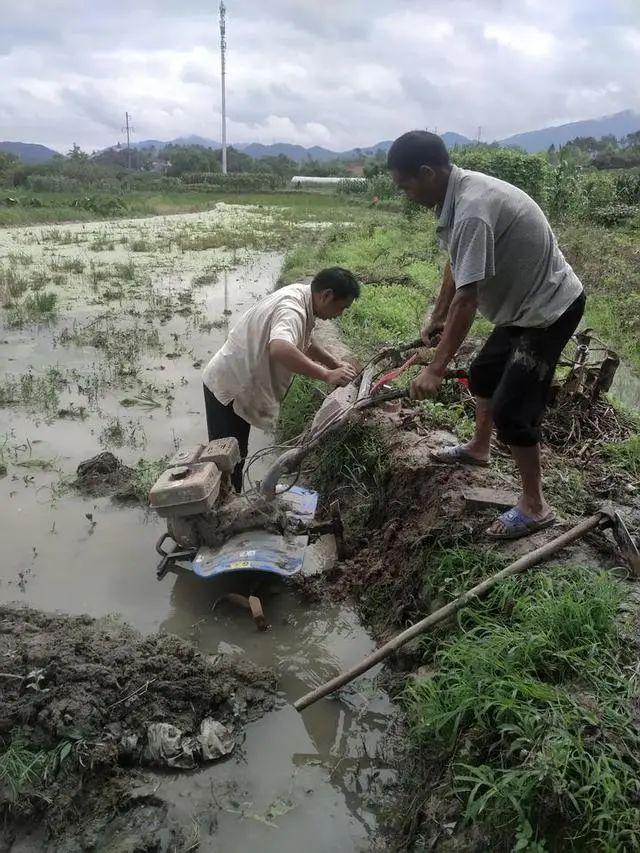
(247, 379)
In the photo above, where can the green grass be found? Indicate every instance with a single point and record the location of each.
(606, 261)
(74, 265)
(123, 346)
(303, 400)
(37, 391)
(530, 706)
(353, 464)
(145, 474)
(63, 207)
(12, 286)
(566, 488)
(625, 455)
(380, 248)
(451, 416)
(383, 314)
(24, 768)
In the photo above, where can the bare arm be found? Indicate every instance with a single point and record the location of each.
(434, 323)
(322, 356)
(289, 356)
(461, 314)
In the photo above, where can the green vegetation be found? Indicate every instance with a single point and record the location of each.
(566, 488)
(530, 708)
(353, 464)
(37, 391)
(145, 474)
(299, 406)
(12, 286)
(525, 717)
(23, 768)
(607, 263)
(452, 416)
(625, 455)
(74, 265)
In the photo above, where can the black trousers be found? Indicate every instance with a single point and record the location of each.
(223, 422)
(514, 370)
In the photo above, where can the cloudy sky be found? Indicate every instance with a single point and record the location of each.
(337, 73)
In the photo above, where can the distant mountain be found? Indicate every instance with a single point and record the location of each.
(179, 140)
(146, 143)
(298, 153)
(295, 152)
(28, 152)
(619, 124)
(451, 138)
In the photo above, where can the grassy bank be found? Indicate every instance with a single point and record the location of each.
(402, 254)
(38, 208)
(521, 717)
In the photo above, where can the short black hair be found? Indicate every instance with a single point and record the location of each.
(417, 148)
(343, 283)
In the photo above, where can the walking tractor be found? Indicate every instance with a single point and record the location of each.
(212, 532)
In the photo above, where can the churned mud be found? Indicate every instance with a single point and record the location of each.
(93, 697)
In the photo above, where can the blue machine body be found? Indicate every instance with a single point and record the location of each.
(258, 550)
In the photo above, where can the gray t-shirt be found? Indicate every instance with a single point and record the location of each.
(497, 236)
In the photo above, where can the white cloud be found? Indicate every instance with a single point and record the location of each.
(335, 73)
(522, 38)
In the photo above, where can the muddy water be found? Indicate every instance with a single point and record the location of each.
(298, 782)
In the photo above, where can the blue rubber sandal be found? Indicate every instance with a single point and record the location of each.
(517, 524)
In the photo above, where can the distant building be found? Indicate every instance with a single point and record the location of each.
(312, 181)
(355, 169)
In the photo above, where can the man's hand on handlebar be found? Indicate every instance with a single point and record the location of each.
(342, 375)
(426, 384)
(431, 332)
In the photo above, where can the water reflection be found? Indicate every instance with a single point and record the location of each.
(306, 644)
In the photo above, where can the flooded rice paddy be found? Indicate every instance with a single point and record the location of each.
(104, 329)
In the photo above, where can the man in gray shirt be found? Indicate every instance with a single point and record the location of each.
(504, 261)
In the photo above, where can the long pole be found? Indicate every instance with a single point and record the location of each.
(223, 49)
(448, 610)
(126, 118)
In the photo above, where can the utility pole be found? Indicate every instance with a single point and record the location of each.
(479, 135)
(223, 50)
(128, 129)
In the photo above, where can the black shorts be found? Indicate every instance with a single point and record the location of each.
(223, 422)
(515, 368)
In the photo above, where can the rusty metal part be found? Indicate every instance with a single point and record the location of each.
(257, 613)
(169, 558)
(334, 525)
(606, 373)
(623, 539)
(251, 603)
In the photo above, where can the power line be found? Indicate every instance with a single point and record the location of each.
(223, 50)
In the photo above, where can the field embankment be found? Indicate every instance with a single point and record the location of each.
(521, 718)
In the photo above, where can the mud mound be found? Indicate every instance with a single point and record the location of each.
(101, 475)
(91, 697)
